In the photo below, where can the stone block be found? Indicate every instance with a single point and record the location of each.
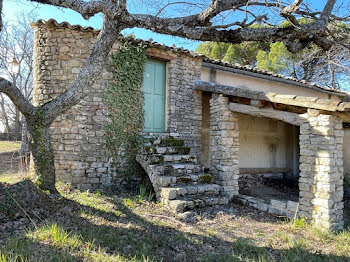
(292, 205)
(276, 211)
(280, 204)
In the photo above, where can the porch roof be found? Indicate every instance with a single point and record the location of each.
(293, 100)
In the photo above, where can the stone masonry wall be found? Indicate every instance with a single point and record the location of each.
(224, 144)
(78, 136)
(321, 166)
(184, 103)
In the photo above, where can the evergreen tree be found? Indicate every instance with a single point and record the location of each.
(327, 68)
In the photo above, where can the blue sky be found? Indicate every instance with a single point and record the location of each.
(12, 7)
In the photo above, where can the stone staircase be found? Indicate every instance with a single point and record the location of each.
(177, 176)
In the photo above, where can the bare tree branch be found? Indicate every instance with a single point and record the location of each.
(199, 26)
(86, 9)
(327, 10)
(16, 97)
(93, 66)
(286, 12)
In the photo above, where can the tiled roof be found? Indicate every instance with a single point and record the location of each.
(150, 43)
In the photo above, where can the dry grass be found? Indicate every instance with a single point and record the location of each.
(105, 226)
(9, 146)
(114, 225)
(9, 163)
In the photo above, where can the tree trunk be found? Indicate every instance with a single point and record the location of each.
(43, 164)
(4, 116)
(17, 123)
(24, 138)
(24, 156)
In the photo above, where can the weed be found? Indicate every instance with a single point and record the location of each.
(142, 192)
(260, 233)
(144, 195)
(130, 203)
(299, 223)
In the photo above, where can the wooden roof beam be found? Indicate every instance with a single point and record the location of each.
(301, 101)
(290, 118)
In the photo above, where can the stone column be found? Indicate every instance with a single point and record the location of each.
(224, 145)
(321, 170)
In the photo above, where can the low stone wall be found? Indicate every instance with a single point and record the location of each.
(10, 137)
(285, 208)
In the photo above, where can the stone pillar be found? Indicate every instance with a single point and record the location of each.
(321, 170)
(224, 145)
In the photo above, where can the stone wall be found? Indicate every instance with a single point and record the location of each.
(78, 136)
(10, 136)
(321, 166)
(267, 143)
(184, 103)
(284, 208)
(347, 155)
(224, 144)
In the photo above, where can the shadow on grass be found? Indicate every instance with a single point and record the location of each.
(26, 249)
(73, 231)
(9, 163)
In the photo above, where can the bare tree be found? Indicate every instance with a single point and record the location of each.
(215, 20)
(16, 42)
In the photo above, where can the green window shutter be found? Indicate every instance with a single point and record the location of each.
(154, 93)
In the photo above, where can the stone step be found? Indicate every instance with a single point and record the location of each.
(166, 159)
(173, 192)
(172, 142)
(191, 202)
(166, 181)
(154, 136)
(167, 141)
(180, 158)
(184, 169)
(166, 150)
(175, 159)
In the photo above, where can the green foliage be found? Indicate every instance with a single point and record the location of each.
(144, 195)
(277, 59)
(124, 100)
(299, 222)
(327, 68)
(244, 53)
(205, 48)
(302, 21)
(218, 50)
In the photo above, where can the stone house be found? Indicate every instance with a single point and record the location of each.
(215, 129)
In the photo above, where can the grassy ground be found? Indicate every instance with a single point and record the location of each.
(8, 157)
(114, 225)
(9, 146)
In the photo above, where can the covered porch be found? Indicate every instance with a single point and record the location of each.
(309, 150)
